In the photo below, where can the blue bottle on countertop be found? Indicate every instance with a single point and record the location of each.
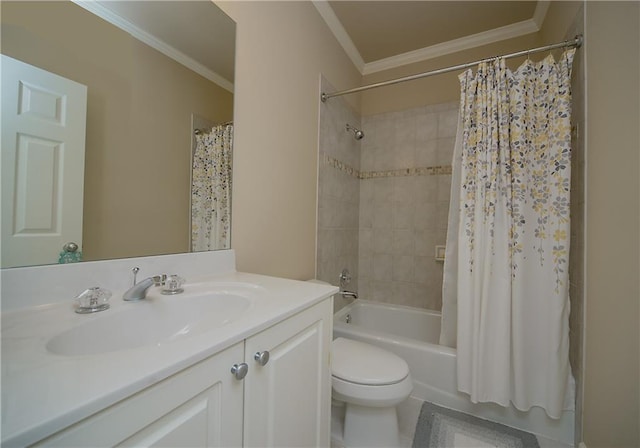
(70, 254)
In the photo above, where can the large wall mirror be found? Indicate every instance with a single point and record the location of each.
(158, 79)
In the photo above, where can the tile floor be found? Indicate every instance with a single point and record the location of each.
(408, 413)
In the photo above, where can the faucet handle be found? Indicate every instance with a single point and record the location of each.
(93, 300)
(135, 274)
(345, 278)
(159, 280)
(173, 285)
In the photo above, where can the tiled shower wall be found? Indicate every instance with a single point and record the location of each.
(404, 202)
(383, 201)
(338, 193)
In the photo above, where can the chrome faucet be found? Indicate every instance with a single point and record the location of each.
(345, 279)
(139, 290)
(349, 294)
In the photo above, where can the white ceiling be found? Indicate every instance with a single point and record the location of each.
(379, 35)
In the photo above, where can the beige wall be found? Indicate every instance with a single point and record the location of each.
(611, 394)
(564, 21)
(281, 49)
(434, 89)
(138, 124)
(560, 17)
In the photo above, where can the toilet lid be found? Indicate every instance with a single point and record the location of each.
(362, 363)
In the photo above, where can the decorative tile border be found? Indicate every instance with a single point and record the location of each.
(341, 166)
(421, 171)
(404, 172)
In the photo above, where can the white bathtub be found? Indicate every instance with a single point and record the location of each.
(413, 333)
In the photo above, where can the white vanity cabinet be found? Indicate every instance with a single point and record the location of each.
(199, 406)
(285, 402)
(288, 399)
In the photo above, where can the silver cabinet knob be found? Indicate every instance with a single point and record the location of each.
(240, 370)
(262, 357)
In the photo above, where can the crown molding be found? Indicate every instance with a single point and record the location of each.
(464, 43)
(511, 31)
(339, 32)
(541, 12)
(164, 48)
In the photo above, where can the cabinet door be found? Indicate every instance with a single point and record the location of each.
(200, 407)
(288, 400)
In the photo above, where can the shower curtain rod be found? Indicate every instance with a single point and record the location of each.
(575, 42)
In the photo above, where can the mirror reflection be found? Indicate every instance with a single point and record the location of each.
(142, 109)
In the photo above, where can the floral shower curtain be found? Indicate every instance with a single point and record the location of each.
(211, 189)
(506, 286)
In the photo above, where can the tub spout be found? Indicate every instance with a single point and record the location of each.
(349, 294)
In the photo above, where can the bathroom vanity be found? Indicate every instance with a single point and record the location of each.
(236, 360)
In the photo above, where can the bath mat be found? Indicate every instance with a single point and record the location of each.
(439, 427)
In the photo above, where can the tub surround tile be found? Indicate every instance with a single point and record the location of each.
(427, 152)
(365, 267)
(382, 241)
(403, 293)
(403, 242)
(417, 193)
(424, 242)
(443, 188)
(383, 216)
(382, 190)
(442, 215)
(383, 267)
(366, 214)
(422, 265)
(399, 172)
(402, 215)
(338, 194)
(425, 190)
(426, 128)
(424, 217)
(418, 171)
(447, 123)
(382, 291)
(403, 268)
(403, 188)
(341, 166)
(393, 200)
(444, 151)
(366, 192)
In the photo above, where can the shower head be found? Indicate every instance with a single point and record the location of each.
(357, 133)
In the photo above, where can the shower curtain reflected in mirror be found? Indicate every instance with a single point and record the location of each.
(211, 189)
(506, 285)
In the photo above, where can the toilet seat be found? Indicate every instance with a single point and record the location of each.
(364, 364)
(372, 396)
(366, 375)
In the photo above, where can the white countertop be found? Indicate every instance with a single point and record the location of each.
(43, 393)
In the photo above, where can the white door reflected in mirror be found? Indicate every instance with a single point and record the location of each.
(43, 145)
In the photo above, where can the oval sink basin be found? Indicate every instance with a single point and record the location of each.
(149, 322)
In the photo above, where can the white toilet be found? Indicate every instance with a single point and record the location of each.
(371, 382)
